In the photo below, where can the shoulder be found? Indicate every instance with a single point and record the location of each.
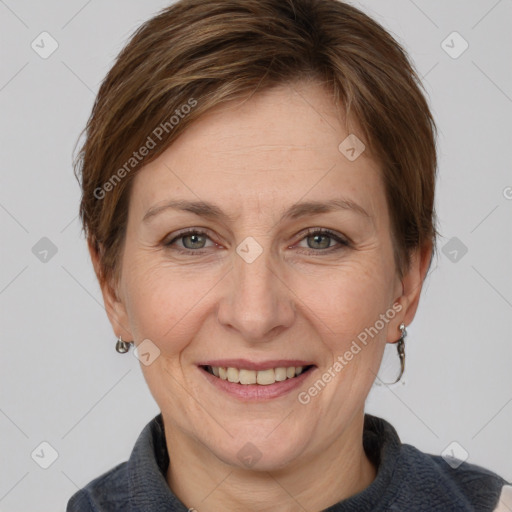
(409, 479)
(132, 485)
(460, 485)
(108, 491)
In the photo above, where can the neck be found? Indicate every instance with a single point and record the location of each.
(315, 482)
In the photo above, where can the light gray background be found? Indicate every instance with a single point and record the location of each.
(61, 380)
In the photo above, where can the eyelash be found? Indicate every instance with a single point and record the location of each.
(310, 232)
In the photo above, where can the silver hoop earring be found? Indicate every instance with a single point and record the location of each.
(123, 346)
(401, 351)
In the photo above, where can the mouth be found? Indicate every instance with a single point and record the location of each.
(246, 377)
(248, 381)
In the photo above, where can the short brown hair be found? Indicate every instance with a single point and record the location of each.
(216, 51)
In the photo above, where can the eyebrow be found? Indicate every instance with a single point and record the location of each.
(210, 210)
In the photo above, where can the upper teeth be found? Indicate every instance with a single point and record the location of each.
(263, 377)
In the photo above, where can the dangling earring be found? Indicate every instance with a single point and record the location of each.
(401, 351)
(123, 346)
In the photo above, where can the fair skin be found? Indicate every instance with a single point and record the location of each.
(299, 300)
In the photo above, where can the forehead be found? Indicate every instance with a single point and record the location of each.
(279, 146)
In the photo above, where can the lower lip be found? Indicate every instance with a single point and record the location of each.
(257, 392)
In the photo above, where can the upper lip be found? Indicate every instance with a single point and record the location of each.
(245, 364)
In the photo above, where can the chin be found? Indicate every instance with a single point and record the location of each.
(262, 451)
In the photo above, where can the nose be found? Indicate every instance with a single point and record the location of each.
(256, 302)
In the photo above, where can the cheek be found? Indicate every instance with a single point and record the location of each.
(347, 300)
(352, 318)
(163, 302)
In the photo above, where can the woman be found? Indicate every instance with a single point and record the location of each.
(258, 188)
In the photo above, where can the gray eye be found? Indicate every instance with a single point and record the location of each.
(318, 243)
(196, 241)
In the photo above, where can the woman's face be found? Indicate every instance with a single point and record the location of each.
(255, 286)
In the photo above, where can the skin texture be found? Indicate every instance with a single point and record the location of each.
(254, 160)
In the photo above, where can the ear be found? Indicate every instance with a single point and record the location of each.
(411, 284)
(114, 307)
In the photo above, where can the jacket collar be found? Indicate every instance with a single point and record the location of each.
(147, 468)
(149, 461)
